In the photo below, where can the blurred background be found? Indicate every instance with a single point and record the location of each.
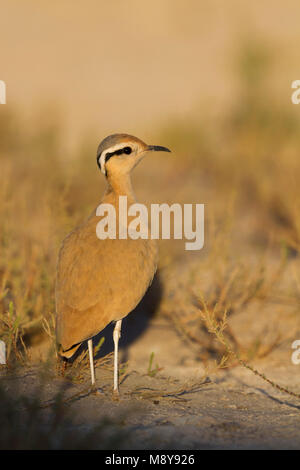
(212, 81)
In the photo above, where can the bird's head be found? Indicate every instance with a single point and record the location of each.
(120, 153)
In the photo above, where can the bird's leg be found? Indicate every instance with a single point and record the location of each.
(90, 346)
(116, 337)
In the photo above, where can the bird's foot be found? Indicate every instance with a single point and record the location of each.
(96, 390)
(116, 395)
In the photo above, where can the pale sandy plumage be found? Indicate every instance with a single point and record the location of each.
(100, 281)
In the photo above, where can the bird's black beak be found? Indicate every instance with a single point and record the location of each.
(158, 148)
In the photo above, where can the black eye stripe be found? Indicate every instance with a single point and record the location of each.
(126, 150)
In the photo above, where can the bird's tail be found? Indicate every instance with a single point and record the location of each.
(67, 352)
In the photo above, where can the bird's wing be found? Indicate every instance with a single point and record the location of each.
(113, 273)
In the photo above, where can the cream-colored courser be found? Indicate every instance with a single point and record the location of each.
(100, 281)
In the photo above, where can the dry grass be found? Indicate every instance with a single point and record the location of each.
(218, 328)
(244, 168)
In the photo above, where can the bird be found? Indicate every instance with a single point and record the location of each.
(99, 281)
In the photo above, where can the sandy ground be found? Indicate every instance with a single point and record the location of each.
(175, 409)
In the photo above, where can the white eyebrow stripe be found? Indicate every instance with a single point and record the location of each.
(111, 150)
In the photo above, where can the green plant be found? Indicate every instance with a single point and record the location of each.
(152, 372)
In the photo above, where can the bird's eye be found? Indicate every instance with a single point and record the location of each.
(127, 150)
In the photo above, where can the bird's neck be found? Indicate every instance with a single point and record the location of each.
(120, 185)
